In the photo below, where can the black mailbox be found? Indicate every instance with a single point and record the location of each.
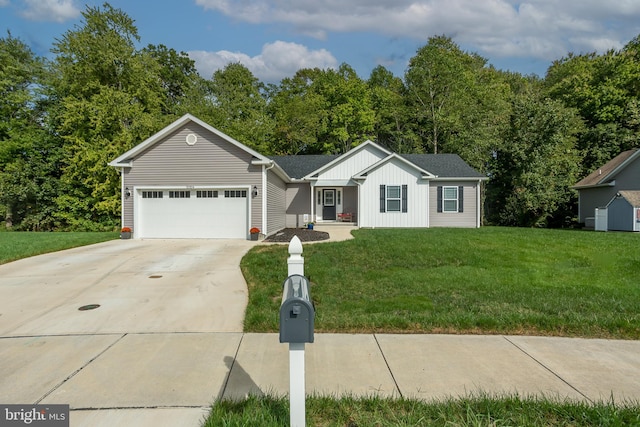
(296, 311)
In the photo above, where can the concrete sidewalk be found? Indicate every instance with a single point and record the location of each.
(169, 379)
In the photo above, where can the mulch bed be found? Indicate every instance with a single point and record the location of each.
(303, 234)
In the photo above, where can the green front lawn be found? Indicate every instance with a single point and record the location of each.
(490, 280)
(17, 245)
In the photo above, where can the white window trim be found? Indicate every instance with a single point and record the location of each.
(445, 199)
(398, 199)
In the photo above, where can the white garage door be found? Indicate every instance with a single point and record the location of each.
(219, 213)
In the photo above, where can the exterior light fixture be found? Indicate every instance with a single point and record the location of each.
(254, 193)
(127, 193)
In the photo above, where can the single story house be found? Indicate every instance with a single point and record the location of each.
(597, 189)
(190, 180)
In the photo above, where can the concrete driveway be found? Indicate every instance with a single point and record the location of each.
(140, 286)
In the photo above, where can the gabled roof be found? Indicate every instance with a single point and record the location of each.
(603, 175)
(434, 165)
(633, 197)
(353, 151)
(125, 159)
(363, 174)
(444, 165)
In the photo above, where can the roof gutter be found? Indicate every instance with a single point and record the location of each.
(585, 187)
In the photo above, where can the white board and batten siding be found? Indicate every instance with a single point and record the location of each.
(353, 164)
(394, 173)
(211, 163)
(469, 217)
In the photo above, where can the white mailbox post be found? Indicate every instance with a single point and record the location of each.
(296, 349)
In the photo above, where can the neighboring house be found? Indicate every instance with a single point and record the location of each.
(601, 186)
(192, 181)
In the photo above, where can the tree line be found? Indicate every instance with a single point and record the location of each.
(63, 119)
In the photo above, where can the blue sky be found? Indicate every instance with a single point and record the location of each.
(274, 38)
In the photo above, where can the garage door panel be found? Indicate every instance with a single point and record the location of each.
(193, 217)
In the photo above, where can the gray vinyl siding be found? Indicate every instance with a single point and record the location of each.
(127, 217)
(276, 203)
(592, 198)
(212, 161)
(467, 218)
(298, 203)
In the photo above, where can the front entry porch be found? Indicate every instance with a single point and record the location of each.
(336, 204)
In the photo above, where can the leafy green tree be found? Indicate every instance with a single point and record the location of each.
(347, 100)
(604, 89)
(537, 163)
(459, 105)
(29, 168)
(240, 106)
(178, 77)
(300, 116)
(392, 127)
(105, 98)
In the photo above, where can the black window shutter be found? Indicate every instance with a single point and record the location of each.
(461, 199)
(404, 198)
(439, 198)
(383, 198)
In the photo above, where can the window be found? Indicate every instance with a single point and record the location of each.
(450, 199)
(206, 194)
(179, 194)
(329, 198)
(152, 194)
(393, 198)
(319, 197)
(339, 198)
(235, 193)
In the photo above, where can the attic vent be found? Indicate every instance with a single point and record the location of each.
(192, 138)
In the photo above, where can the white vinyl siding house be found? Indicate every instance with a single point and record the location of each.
(190, 180)
(394, 194)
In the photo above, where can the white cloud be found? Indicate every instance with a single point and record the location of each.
(544, 29)
(50, 10)
(276, 61)
(4, 3)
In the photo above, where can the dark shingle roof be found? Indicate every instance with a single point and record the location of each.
(441, 165)
(300, 166)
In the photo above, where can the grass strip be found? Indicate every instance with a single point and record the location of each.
(19, 244)
(477, 411)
